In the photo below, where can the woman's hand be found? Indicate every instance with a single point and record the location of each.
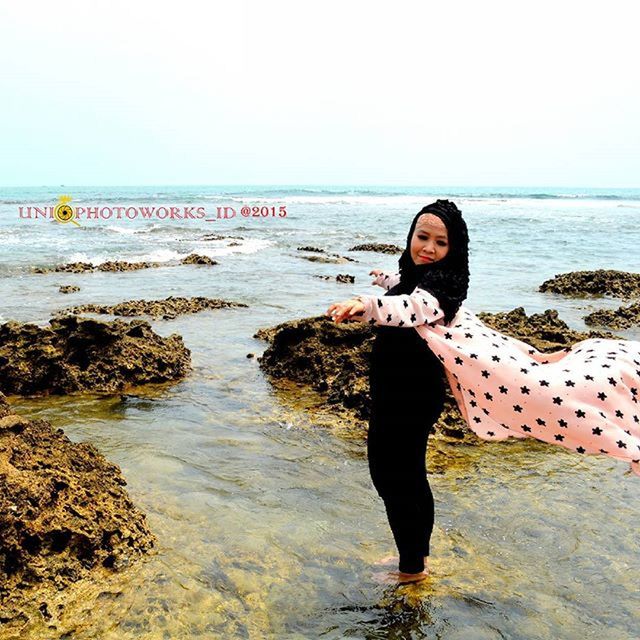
(375, 273)
(341, 311)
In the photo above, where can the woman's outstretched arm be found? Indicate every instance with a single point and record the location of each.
(406, 310)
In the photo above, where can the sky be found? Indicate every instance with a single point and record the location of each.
(333, 92)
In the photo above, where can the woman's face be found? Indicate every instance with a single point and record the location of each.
(430, 240)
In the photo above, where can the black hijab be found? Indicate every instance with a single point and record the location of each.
(447, 279)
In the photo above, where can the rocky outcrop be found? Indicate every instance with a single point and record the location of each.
(316, 249)
(333, 359)
(81, 354)
(64, 515)
(620, 318)
(619, 284)
(544, 331)
(69, 288)
(194, 258)
(82, 267)
(167, 309)
(378, 247)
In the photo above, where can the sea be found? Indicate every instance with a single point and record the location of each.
(267, 523)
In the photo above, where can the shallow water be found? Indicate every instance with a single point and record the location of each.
(267, 523)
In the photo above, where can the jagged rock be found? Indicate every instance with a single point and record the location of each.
(69, 288)
(345, 278)
(619, 284)
(217, 236)
(167, 309)
(333, 258)
(82, 354)
(620, 318)
(311, 249)
(378, 247)
(64, 515)
(194, 258)
(333, 359)
(81, 267)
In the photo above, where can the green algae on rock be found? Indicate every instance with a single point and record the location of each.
(618, 284)
(195, 258)
(64, 516)
(81, 354)
(167, 309)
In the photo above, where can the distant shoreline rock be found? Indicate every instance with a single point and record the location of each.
(167, 309)
(609, 282)
(64, 515)
(378, 247)
(81, 354)
(83, 267)
(69, 288)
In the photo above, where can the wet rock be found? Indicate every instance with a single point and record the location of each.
(168, 309)
(234, 244)
(311, 249)
(619, 284)
(194, 258)
(69, 288)
(620, 318)
(333, 258)
(80, 354)
(82, 267)
(64, 516)
(378, 247)
(345, 278)
(333, 359)
(544, 331)
(217, 236)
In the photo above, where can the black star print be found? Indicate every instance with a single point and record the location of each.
(559, 436)
(557, 400)
(495, 358)
(406, 304)
(602, 414)
(580, 449)
(525, 427)
(476, 419)
(440, 358)
(621, 445)
(413, 317)
(524, 370)
(580, 413)
(472, 393)
(458, 360)
(474, 356)
(490, 433)
(603, 451)
(535, 364)
(606, 366)
(401, 323)
(485, 373)
(503, 389)
(596, 431)
(379, 302)
(612, 382)
(389, 318)
(372, 321)
(541, 422)
(544, 383)
(634, 391)
(563, 423)
(473, 403)
(570, 383)
(486, 413)
(602, 395)
(488, 396)
(619, 413)
(524, 390)
(468, 335)
(448, 336)
(517, 407)
(588, 377)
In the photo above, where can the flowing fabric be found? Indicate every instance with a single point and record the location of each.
(583, 398)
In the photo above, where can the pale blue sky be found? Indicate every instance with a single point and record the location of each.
(349, 92)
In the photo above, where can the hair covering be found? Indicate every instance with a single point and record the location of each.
(446, 279)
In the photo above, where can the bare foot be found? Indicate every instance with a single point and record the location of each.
(399, 577)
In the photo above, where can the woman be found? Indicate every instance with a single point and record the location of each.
(407, 383)
(583, 398)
